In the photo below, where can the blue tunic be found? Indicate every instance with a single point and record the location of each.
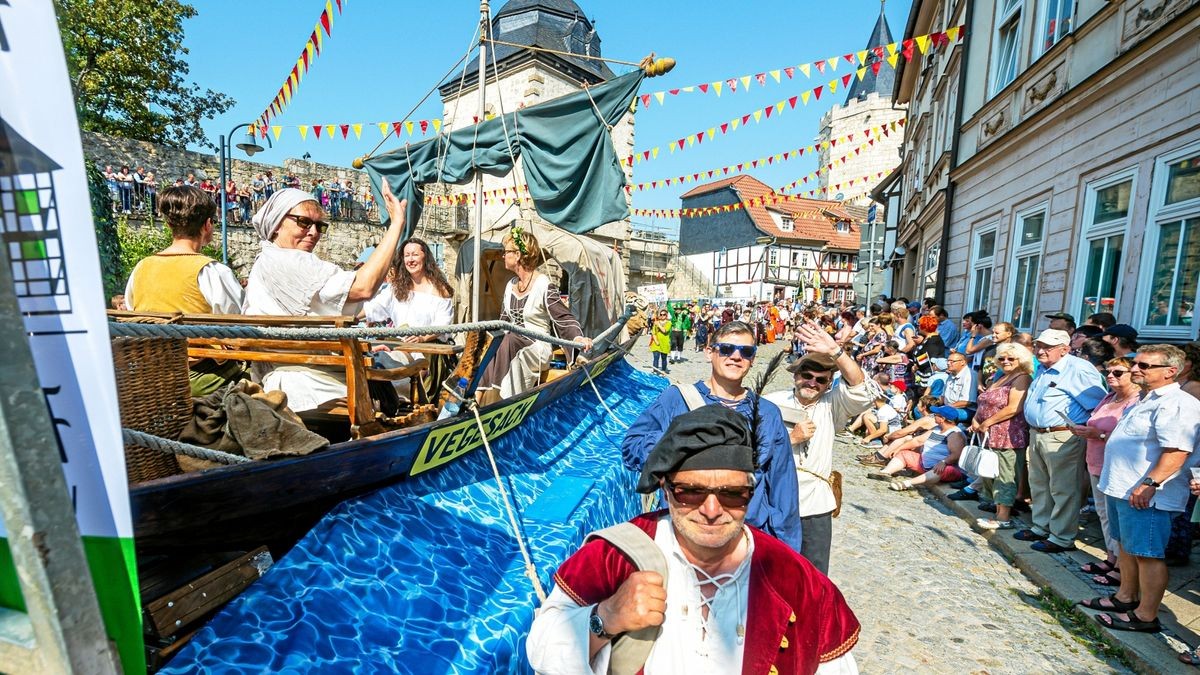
(775, 507)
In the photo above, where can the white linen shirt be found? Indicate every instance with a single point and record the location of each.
(1167, 417)
(218, 284)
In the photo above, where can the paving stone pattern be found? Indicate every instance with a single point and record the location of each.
(931, 594)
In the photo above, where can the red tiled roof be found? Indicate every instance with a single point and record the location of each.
(813, 219)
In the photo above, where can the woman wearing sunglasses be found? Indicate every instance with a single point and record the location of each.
(1001, 417)
(288, 279)
(1123, 394)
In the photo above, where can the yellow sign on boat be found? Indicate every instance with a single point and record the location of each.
(454, 441)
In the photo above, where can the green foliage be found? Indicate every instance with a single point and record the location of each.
(125, 60)
(108, 244)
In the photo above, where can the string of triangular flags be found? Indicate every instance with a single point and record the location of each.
(312, 49)
(517, 193)
(769, 199)
(867, 59)
(408, 128)
(870, 134)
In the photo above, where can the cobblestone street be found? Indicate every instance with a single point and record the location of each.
(932, 595)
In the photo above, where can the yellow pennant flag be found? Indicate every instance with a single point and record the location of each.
(733, 124)
(779, 107)
(862, 57)
(861, 72)
(952, 33)
(923, 43)
(299, 70)
(637, 159)
(303, 133)
(659, 96)
(757, 116)
(832, 63)
(408, 126)
(329, 13)
(308, 46)
(671, 148)
(833, 86)
(892, 60)
(746, 82)
(711, 132)
(717, 87)
(276, 130)
(691, 140)
(437, 125)
(804, 96)
(892, 48)
(775, 76)
(688, 89)
(654, 153)
(329, 129)
(320, 36)
(357, 130)
(806, 69)
(383, 129)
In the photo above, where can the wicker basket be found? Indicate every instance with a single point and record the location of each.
(155, 397)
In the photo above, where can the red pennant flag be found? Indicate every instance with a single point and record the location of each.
(908, 50)
(704, 88)
(710, 173)
(700, 137)
(646, 155)
(762, 78)
(681, 142)
(745, 120)
(849, 58)
(754, 164)
(785, 155)
(900, 121)
(939, 39)
(475, 118)
(645, 100)
(878, 52)
(850, 137)
(820, 66)
(768, 110)
(315, 43)
(725, 127)
(732, 84)
(397, 126)
(875, 66)
(833, 143)
(771, 159)
(846, 79)
(792, 102)
(726, 170)
(800, 152)
(345, 130)
(739, 167)
(424, 126)
(317, 130)
(856, 151)
(695, 176)
(674, 92)
(885, 131)
(325, 21)
(304, 56)
(817, 92)
(789, 70)
(871, 142)
(339, 6)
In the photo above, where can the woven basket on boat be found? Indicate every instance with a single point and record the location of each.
(155, 397)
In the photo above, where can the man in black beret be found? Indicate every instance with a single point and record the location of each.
(693, 588)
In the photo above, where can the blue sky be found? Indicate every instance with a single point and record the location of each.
(384, 56)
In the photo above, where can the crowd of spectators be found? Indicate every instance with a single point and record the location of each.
(136, 192)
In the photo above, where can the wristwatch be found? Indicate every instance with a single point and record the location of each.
(596, 624)
(1151, 482)
(838, 353)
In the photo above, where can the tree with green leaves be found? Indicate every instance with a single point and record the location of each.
(125, 60)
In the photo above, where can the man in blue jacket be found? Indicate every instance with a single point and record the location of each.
(775, 507)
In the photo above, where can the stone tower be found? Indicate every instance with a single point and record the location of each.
(868, 106)
(522, 77)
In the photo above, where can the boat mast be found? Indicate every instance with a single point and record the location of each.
(476, 284)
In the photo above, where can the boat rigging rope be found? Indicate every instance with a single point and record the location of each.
(145, 440)
(530, 568)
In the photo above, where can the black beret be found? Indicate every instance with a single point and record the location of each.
(710, 437)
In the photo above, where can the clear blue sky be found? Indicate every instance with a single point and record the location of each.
(384, 56)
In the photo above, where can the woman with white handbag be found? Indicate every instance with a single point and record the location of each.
(1000, 420)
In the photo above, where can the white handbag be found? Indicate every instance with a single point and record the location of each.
(979, 460)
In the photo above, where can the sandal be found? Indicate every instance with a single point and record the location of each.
(1102, 567)
(1133, 623)
(879, 475)
(900, 485)
(1108, 579)
(1191, 657)
(1114, 605)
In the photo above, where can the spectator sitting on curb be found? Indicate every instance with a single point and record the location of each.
(935, 463)
(910, 437)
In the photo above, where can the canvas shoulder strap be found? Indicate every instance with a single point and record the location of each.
(630, 650)
(691, 396)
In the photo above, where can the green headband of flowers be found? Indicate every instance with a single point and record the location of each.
(519, 240)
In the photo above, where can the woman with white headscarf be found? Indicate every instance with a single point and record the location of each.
(288, 279)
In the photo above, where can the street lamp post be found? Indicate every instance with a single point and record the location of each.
(250, 146)
(767, 242)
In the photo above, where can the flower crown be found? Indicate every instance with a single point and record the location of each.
(519, 240)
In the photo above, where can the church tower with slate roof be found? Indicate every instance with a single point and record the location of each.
(868, 105)
(521, 77)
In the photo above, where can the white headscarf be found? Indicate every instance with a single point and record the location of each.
(267, 220)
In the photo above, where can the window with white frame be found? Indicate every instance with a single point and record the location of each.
(786, 224)
(1006, 43)
(1056, 23)
(983, 260)
(1024, 270)
(1170, 281)
(1105, 225)
(933, 254)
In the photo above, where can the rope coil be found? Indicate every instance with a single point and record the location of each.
(164, 445)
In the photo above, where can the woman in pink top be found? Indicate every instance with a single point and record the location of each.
(1001, 416)
(1124, 393)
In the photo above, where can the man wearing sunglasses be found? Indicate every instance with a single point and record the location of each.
(288, 279)
(816, 410)
(775, 507)
(707, 593)
(1145, 459)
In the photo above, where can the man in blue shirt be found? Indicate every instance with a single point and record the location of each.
(1063, 393)
(946, 328)
(775, 507)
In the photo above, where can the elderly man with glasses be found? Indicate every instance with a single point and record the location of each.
(1063, 394)
(1145, 459)
(693, 589)
(288, 279)
(816, 408)
(775, 508)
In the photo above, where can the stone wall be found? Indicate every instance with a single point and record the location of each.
(882, 155)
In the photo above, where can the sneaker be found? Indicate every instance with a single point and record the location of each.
(964, 495)
(993, 524)
(960, 484)
(987, 506)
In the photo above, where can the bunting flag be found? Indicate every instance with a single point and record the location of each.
(312, 49)
(344, 130)
(870, 135)
(859, 59)
(769, 199)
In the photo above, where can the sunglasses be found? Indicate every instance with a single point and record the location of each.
(694, 495)
(1116, 372)
(1006, 358)
(309, 223)
(1141, 365)
(726, 349)
(819, 379)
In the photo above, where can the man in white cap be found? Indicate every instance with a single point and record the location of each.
(1063, 393)
(288, 279)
